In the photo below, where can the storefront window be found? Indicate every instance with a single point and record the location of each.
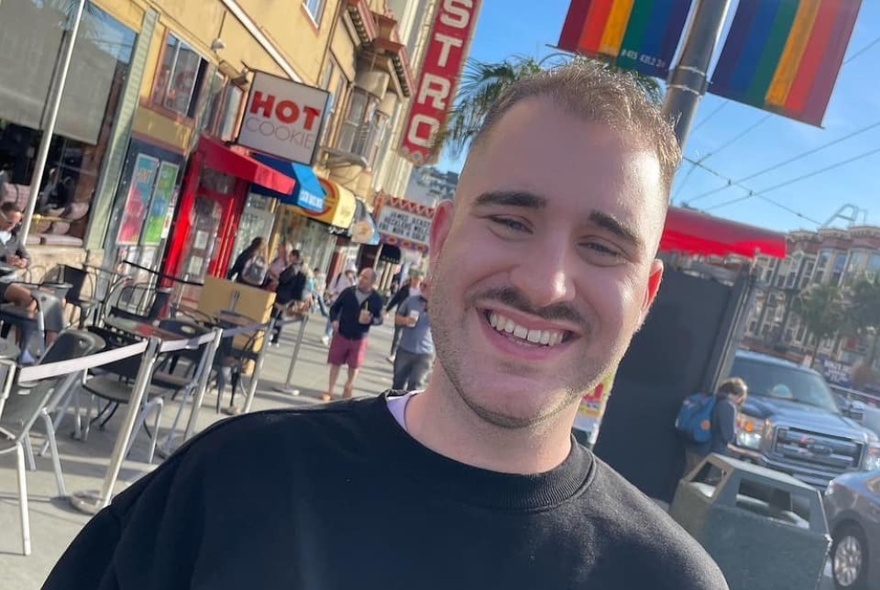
(179, 78)
(145, 200)
(312, 238)
(32, 37)
(256, 221)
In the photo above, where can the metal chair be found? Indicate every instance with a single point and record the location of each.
(77, 278)
(231, 363)
(27, 402)
(139, 301)
(113, 383)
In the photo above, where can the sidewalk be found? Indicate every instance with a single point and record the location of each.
(54, 523)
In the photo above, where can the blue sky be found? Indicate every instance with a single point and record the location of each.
(519, 27)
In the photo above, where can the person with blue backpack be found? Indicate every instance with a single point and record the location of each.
(708, 422)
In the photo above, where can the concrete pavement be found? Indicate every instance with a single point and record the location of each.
(54, 523)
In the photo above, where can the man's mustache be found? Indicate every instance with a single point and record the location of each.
(515, 299)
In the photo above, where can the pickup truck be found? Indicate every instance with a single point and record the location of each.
(792, 422)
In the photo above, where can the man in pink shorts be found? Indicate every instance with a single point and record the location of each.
(354, 311)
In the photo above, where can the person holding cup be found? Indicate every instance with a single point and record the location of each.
(415, 352)
(352, 314)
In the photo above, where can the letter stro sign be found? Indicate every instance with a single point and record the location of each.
(283, 118)
(454, 24)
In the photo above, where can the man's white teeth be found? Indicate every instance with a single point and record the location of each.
(544, 337)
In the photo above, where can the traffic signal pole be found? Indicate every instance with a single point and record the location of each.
(689, 79)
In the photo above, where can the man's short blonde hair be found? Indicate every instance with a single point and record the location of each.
(597, 94)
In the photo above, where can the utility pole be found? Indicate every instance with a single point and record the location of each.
(689, 79)
(49, 129)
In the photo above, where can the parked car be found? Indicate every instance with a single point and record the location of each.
(791, 422)
(852, 505)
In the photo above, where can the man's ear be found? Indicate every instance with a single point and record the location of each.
(654, 280)
(440, 227)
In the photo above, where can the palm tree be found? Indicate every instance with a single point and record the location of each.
(822, 310)
(483, 83)
(864, 314)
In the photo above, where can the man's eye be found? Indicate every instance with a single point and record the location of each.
(598, 250)
(510, 224)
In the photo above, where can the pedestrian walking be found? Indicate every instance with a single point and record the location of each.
(415, 354)
(291, 293)
(725, 403)
(411, 288)
(281, 261)
(317, 288)
(353, 313)
(343, 281)
(541, 270)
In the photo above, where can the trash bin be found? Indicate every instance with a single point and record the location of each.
(765, 529)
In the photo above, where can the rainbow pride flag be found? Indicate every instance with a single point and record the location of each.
(640, 35)
(784, 55)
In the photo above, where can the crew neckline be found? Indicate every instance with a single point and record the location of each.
(449, 478)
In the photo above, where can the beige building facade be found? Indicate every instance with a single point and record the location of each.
(153, 83)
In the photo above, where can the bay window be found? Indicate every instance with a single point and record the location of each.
(364, 127)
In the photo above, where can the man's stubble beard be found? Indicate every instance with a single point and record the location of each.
(453, 358)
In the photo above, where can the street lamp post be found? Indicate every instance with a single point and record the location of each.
(689, 79)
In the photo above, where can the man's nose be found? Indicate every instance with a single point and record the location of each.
(544, 275)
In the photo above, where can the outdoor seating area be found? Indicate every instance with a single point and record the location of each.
(130, 353)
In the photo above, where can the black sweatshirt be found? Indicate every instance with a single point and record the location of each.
(346, 309)
(340, 497)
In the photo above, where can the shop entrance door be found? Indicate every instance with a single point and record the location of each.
(257, 221)
(209, 241)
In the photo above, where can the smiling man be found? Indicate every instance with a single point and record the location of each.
(542, 271)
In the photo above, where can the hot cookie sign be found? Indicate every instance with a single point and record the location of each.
(453, 29)
(283, 118)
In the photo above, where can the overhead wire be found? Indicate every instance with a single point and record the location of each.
(862, 50)
(737, 137)
(794, 180)
(685, 179)
(777, 166)
(710, 115)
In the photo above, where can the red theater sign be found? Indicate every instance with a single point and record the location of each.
(454, 24)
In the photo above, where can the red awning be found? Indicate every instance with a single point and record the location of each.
(694, 232)
(224, 159)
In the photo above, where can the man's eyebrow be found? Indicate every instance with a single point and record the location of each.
(522, 199)
(616, 227)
